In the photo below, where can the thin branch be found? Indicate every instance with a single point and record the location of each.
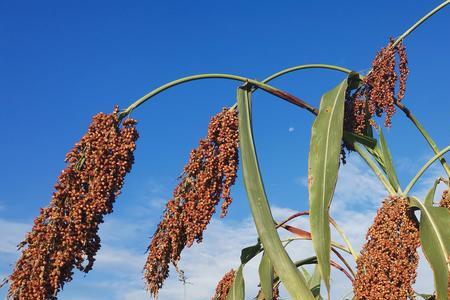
(418, 23)
(424, 168)
(425, 134)
(364, 155)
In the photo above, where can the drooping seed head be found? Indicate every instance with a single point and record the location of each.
(224, 285)
(376, 96)
(388, 262)
(207, 178)
(65, 234)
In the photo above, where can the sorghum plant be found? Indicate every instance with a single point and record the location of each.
(65, 234)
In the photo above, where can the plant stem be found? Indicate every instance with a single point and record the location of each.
(334, 244)
(345, 238)
(272, 90)
(340, 231)
(364, 155)
(304, 67)
(418, 23)
(424, 168)
(425, 134)
(339, 255)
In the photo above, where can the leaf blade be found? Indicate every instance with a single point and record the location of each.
(266, 277)
(283, 265)
(237, 290)
(435, 241)
(387, 162)
(323, 164)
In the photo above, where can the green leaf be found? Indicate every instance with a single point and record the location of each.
(365, 140)
(314, 282)
(435, 240)
(387, 162)
(378, 156)
(237, 290)
(324, 155)
(292, 279)
(305, 274)
(266, 277)
(426, 296)
(248, 253)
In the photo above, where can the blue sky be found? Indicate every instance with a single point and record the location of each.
(63, 61)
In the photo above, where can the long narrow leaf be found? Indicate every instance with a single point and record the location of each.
(324, 155)
(314, 282)
(387, 162)
(266, 277)
(284, 267)
(435, 240)
(237, 290)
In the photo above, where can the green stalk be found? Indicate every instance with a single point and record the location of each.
(304, 67)
(292, 279)
(345, 238)
(364, 155)
(424, 168)
(333, 243)
(270, 89)
(418, 23)
(425, 134)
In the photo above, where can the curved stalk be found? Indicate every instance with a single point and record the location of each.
(424, 168)
(339, 255)
(345, 238)
(334, 244)
(270, 89)
(364, 155)
(425, 134)
(340, 231)
(304, 67)
(418, 23)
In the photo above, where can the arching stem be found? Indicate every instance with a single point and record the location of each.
(424, 168)
(418, 23)
(364, 155)
(272, 90)
(304, 67)
(425, 134)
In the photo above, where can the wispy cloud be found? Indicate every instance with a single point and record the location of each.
(118, 270)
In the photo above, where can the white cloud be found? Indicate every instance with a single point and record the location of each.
(12, 234)
(291, 129)
(118, 270)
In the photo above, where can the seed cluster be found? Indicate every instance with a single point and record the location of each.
(377, 94)
(445, 199)
(445, 202)
(388, 262)
(224, 285)
(275, 293)
(207, 177)
(65, 234)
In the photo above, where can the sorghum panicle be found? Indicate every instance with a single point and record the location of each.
(445, 202)
(382, 80)
(224, 285)
(377, 94)
(275, 293)
(207, 177)
(402, 69)
(388, 262)
(65, 234)
(445, 199)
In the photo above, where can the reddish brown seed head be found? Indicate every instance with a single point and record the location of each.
(223, 286)
(377, 95)
(207, 178)
(445, 199)
(445, 202)
(388, 262)
(65, 234)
